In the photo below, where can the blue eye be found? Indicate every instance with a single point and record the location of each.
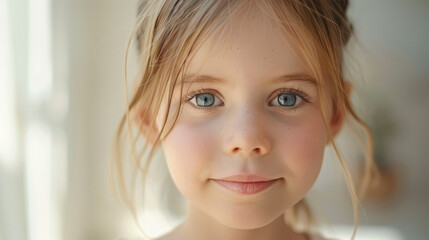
(288, 99)
(204, 100)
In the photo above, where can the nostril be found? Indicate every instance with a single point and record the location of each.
(256, 150)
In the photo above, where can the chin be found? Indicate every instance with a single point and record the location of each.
(248, 219)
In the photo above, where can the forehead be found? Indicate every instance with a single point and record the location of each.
(250, 47)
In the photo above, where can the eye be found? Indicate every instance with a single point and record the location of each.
(289, 98)
(204, 99)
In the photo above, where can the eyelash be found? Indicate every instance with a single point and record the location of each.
(300, 93)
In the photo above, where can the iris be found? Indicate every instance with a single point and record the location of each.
(205, 100)
(287, 99)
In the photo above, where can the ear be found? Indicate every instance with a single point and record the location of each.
(143, 124)
(338, 118)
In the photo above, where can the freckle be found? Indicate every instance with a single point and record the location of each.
(230, 47)
(272, 50)
(265, 58)
(238, 48)
(288, 128)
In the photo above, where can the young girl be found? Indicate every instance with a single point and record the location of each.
(243, 97)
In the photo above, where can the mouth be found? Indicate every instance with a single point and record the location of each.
(247, 178)
(246, 184)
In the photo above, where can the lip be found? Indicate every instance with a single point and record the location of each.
(246, 178)
(246, 184)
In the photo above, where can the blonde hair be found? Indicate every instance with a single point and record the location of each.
(167, 32)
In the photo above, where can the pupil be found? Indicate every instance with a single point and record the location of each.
(205, 100)
(287, 99)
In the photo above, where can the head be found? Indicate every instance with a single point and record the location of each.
(237, 87)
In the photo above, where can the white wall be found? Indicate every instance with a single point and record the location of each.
(96, 33)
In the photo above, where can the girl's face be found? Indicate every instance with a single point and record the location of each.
(256, 112)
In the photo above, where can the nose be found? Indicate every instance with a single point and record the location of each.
(246, 134)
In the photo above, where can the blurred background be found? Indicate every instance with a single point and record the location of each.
(61, 100)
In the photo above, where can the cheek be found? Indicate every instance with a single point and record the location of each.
(303, 150)
(188, 149)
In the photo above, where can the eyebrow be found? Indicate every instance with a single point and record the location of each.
(194, 78)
